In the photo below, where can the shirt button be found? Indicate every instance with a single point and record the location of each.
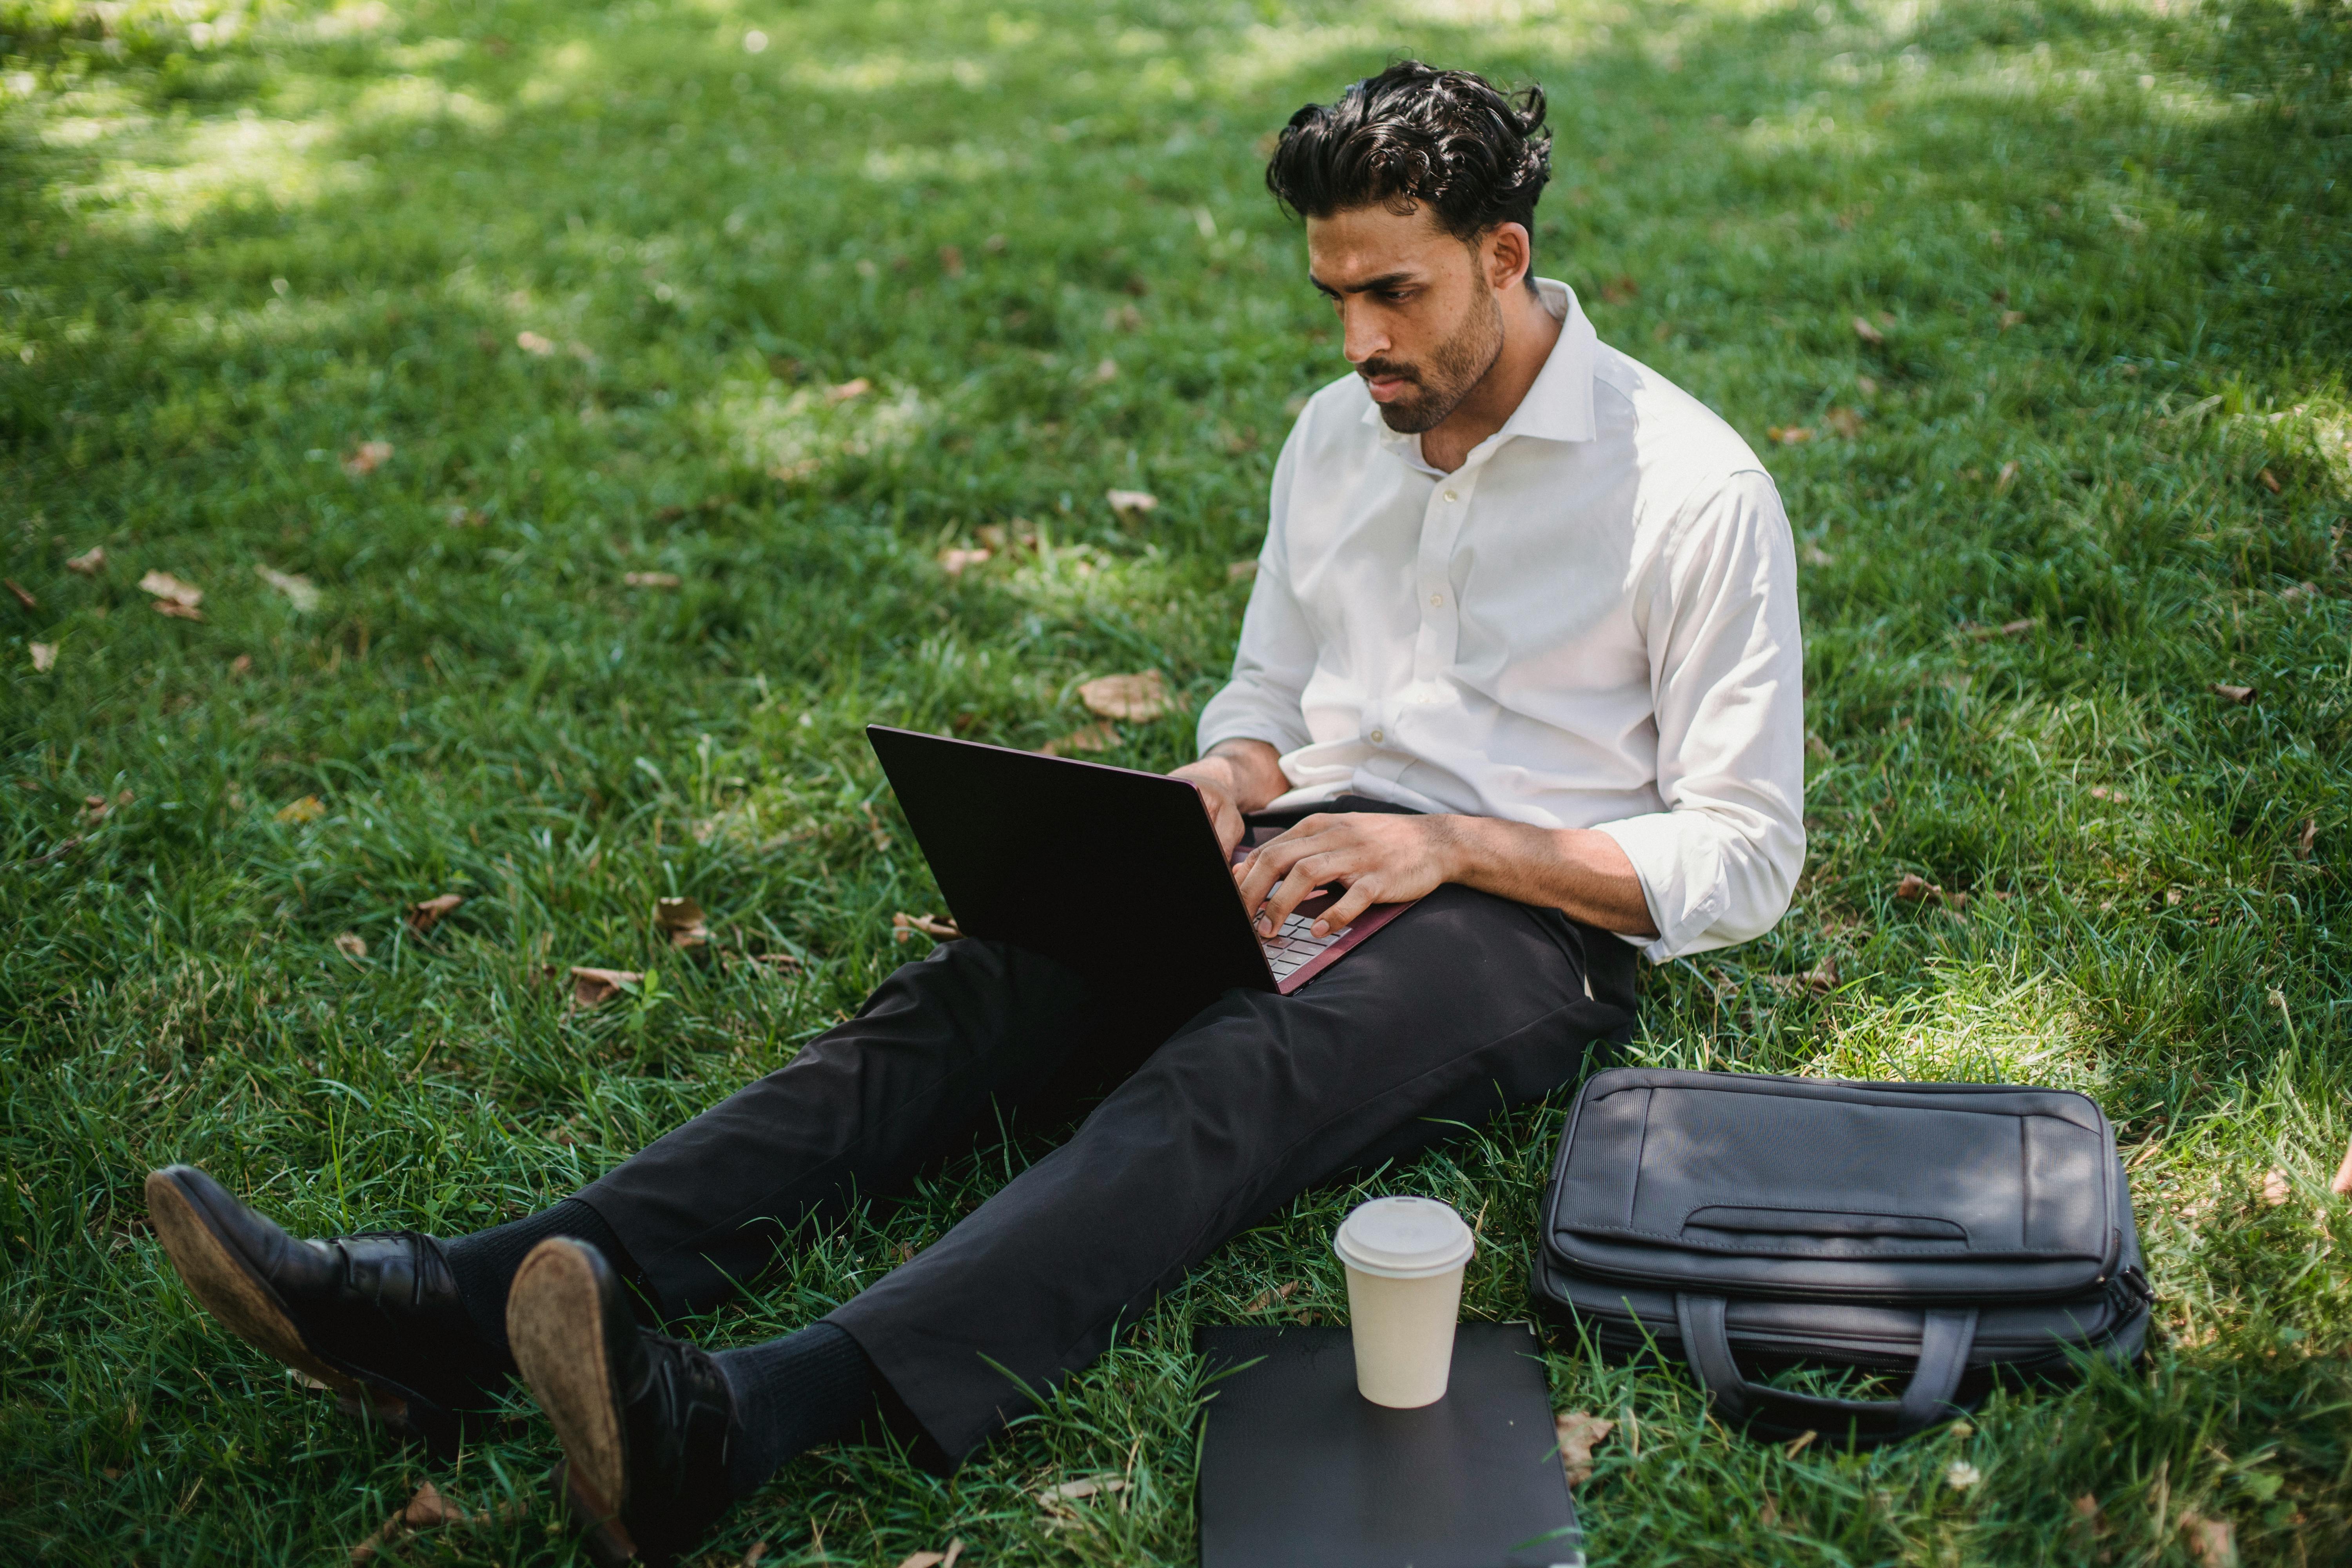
(1450, 496)
(1437, 598)
(1377, 737)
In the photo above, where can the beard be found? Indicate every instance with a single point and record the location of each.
(1456, 365)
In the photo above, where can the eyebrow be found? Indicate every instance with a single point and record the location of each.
(1385, 281)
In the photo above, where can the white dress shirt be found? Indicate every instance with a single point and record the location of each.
(1593, 623)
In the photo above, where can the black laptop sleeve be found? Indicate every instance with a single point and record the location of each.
(1949, 1234)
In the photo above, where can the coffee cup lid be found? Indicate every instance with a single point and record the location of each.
(1404, 1238)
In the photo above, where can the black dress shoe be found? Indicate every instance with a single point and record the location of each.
(644, 1420)
(377, 1319)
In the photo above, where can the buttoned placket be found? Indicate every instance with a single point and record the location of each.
(1436, 638)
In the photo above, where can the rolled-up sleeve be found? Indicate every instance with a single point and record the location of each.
(1727, 671)
(1276, 654)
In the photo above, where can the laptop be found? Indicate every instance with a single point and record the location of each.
(1111, 870)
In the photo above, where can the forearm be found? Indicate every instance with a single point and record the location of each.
(1577, 870)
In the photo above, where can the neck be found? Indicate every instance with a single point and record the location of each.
(1528, 333)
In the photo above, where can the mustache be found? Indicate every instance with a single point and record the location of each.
(1374, 368)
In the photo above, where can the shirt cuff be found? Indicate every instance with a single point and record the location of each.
(1234, 715)
(1683, 882)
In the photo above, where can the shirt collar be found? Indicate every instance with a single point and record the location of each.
(1557, 407)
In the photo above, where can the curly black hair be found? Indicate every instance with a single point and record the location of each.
(1414, 134)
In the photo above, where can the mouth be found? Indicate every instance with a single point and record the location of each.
(1387, 388)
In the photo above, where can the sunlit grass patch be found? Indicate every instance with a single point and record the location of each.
(594, 277)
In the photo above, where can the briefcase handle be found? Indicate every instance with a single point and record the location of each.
(1943, 1357)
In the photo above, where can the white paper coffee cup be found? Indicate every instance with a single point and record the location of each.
(1404, 1258)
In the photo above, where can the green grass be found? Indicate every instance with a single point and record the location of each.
(2107, 247)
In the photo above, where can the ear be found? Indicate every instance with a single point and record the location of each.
(1508, 253)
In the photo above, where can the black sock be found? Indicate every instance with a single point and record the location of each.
(790, 1394)
(486, 1261)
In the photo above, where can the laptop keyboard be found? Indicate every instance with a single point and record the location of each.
(1295, 946)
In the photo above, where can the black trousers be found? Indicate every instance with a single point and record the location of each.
(1464, 1004)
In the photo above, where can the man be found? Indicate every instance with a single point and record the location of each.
(1523, 646)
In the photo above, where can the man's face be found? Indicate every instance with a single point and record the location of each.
(1420, 321)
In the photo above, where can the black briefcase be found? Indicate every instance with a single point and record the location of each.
(1951, 1234)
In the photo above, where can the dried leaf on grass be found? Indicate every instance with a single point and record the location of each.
(1915, 888)
(429, 1509)
(1580, 1432)
(2242, 696)
(1959, 1475)
(1789, 434)
(1867, 332)
(1242, 571)
(651, 579)
(310, 808)
(594, 987)
(904, 925)
(874, 826)
(90, 563)
(952, 561)
(1137, 697)
(1072, 1491)
(2016, 628)
(2212, 1542)
(1093, 738)
(682, 921)
(532, 344)
(169, 589)
(45, 657)
(1843, 422)
(1131, 505)
(2270, 481)
(423, 916)
(935, 1559)
(351, 944)
(2007, 478)
(242, 665)
(1271, 1298)
(2276, 1188)
(178, 611)
(23, 594)
(845, 391)
(366, 459)
(1620, 290)
(2110, 794)
(300, 591)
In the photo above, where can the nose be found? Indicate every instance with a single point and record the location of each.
(1362, 337)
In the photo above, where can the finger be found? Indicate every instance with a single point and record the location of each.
(1229, 826)
(1288, 894)
(1269, 863)
(1352, 903)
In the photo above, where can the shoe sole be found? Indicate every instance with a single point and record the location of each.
(241, 1301)
(555, 1325)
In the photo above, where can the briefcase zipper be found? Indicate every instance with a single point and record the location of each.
(2129, 1292)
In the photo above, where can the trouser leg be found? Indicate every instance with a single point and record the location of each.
(857, 1112)
(1465, 1005)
